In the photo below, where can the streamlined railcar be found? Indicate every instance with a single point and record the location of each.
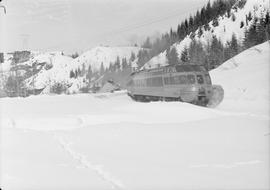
(187, 83)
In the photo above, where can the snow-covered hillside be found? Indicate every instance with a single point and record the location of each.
(56, 69)
(226, 27)
(105, 55)
(53, 67)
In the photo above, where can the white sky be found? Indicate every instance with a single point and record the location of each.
(77, 25)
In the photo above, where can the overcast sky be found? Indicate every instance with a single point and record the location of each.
(77, 25)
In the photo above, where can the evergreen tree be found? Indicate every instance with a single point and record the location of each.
(241, 24)
(75, 55)
(196, 53)
(147, 44)
(89, 73)
(200, 32)
(143, 57)
(111, 67)
(117, 64)
(71, 74)
(132, 57)
(233, 17)
(215, 22)
(267, 26)
(184, 55)
(216, 55)
(208, 12)
(1, 57)
(186, 27)
(124, 63)
(250, 36)
(83, 70)
(203, 16)
(261, 31)
(79, 71)
(101, 70)
(172, 56)
(191, 24)
(234, 45)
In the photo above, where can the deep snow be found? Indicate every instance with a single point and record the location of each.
(104, 141)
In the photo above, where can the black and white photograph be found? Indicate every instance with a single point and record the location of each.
(135, 94)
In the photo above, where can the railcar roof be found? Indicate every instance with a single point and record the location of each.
(178, 68)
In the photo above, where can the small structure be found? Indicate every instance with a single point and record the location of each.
(109, 86)
(134, 66)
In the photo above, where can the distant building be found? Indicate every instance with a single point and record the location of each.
(134, 66)
(109, 86)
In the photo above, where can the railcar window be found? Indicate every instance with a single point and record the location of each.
(156, 81)
(200, 79)
(148, 82)
(172, 81)
(183, 79)
(166, 80)
(176, 80)
(140, 83)
(188, 68)
(191, 79)
(207, 79)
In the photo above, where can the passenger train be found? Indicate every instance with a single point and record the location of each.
(186, 83)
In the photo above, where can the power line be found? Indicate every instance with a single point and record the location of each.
(153, 21)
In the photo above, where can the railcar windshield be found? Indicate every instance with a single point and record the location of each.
(199, 79)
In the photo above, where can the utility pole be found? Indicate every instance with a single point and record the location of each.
(25, 40)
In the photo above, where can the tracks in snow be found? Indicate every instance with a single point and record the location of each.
(84, 162)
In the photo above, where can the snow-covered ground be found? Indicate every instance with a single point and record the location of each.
(104, 141)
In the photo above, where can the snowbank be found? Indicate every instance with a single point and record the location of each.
(245, 79)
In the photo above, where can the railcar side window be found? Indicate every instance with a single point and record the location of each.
(148, 82)
(156, 81)
(182, 79)
(191, 79)
(172, 81)
(200, 79)
(166, 80)
(176, 79)
(207, 79)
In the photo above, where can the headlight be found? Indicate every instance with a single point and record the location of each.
(193, 88)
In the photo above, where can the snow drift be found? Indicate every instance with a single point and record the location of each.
(245, 79)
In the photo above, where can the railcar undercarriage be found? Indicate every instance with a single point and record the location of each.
(215, 99)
